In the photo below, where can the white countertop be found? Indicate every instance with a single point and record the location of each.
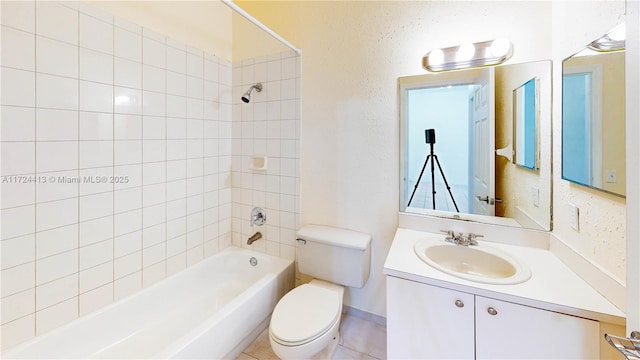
(552, 286)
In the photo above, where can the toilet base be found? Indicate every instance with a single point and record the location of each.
(327, 352)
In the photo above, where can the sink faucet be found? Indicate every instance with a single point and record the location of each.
(461, 238)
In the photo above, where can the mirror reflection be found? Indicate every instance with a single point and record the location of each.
(593, 120)
(458, 136)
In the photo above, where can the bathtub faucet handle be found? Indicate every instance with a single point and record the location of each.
(258, 216)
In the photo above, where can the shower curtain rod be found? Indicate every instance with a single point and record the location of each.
(255, 21)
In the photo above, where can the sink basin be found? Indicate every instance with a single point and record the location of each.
(480, 263)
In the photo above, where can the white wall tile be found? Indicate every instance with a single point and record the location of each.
(176, 209)
(93, 154)
(19, 15)
(195, 87)
(176, 60)
(97, 176)
(154, 104)
(95, 277)
(127, 199)
(56, 57)
(18, 87)
(154, 79)
(18, 123)
(96, 97)
(195, 109)
(55, 92)
(54, 214)
(127, 101)
(176, 83)
(95, 254)
(127, 45)
(127, 222)
(18, 49)
(95, 231)
(95, 206)
(56, 125)
(17, 279)
(195, 65)
(96, 299)
(176, 106)
(96, 66)
(95, 12)
(154, 53)
(56, 267)
(58, 186)
(128, 175)
(127, 244)
(127, 127)
(96, 34)
(56, 241)
(18, 331)
(176, 128)
(57, 21)
(154, 234)
(56, 316)
(154, 150)
(154, 127)
(176, 263)
(153, 274)
(127, 152)
(176, 245)
(176, 149)
(18, 251)
(211, 70)
(127, 73)
(95, 126)
(153, 255)
(18, 305)
(56, 291)
(154, 173)
(127, 285)
(127, 264)
(56, 156)
(17, 193)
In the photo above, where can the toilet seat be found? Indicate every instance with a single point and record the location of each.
(304, 314)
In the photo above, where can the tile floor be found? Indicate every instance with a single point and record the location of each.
(361, 339)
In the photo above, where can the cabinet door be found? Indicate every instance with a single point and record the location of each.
(510, 331)
(425, 322)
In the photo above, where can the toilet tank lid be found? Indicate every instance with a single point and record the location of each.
(335, 236)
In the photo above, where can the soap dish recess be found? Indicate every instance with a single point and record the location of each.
(258, 162)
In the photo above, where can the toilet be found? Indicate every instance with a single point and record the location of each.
(305, 322)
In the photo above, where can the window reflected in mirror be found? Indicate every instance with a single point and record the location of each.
(525, 124)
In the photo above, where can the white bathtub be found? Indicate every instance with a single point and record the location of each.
(210, 310)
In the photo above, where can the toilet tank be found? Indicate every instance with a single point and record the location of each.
(337, 255)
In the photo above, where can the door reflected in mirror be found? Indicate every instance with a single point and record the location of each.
(593, 120)
(456, 172)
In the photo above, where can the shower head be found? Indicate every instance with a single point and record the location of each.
(247, 96)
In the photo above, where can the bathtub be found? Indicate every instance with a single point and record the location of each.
(212, 310)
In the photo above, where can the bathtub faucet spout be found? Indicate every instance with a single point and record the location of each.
(255, 237)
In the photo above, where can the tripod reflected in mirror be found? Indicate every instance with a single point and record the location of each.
(430, 138)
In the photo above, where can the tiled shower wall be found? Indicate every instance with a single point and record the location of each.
(268, 126)
(116, 157)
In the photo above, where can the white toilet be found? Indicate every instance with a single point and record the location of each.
(304, 323)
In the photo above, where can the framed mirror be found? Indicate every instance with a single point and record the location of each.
(459, 149)
(593, 119)
(525, 125)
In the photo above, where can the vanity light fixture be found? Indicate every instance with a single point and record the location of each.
(468, 55)
(612, 41)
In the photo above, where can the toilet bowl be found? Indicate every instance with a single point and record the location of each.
(305, 322)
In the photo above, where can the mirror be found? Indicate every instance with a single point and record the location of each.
(460, 149)
(525, 124)
(593, 120)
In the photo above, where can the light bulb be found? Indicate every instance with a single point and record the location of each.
(465, 52)
(436, 57)
(500, 47)
(619, 33)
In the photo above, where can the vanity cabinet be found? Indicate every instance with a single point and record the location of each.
(431, 322)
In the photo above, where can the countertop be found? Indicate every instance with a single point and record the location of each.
(552, 286)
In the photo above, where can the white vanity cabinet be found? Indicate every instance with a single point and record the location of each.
(431, 322)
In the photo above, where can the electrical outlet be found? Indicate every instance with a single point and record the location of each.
(574, 217)
(535, 196)
(611, 177)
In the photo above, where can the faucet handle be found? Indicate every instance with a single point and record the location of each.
(450, 234)
(472, 236)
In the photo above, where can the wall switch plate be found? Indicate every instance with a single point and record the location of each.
(574, 217)
(535, 196)
(611, 176)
